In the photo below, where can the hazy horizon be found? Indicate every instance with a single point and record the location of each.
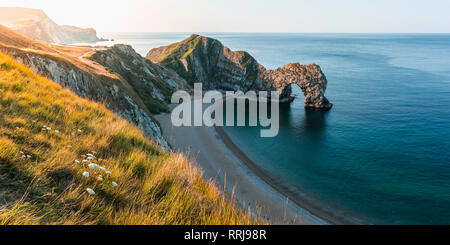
(274, 32)
(285, 16)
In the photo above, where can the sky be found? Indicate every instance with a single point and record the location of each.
(330, 16)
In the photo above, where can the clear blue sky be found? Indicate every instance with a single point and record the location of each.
(415, 16)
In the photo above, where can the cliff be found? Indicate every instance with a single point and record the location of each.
(37, 25)
(112, 85)
(153, 83)
(206, 60)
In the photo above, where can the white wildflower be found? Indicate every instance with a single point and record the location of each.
(28, 156)
(23, 156)
(90, 191)
(90, 158)
(73, 134)
(85, 161)
(49, 129)
(77, 161)
(57, 131)
(108, 172)
(114, 184)
(86, 174)
(79, 130)
(102, 168)
(92, 165)
(100, 178)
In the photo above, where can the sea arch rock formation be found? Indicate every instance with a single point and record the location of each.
(206, 60)
(309, 78)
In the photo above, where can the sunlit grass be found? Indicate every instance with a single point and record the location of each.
(67, 160)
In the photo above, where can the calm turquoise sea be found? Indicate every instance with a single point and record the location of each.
(382, 154)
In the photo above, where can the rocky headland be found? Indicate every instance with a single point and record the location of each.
(206, 60)
(35, 24)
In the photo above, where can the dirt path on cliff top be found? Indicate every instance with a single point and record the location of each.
(219, 163)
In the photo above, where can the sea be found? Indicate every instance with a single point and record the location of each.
(381, 155)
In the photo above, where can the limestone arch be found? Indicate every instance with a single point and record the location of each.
(309, 78)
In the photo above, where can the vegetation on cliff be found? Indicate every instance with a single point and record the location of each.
(171, 56)
(153, 83)
(54, 146)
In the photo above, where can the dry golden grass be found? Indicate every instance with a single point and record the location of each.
(41, 183)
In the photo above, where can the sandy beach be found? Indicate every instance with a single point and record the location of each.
(220, 160)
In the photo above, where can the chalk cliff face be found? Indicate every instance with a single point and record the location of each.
(36, 24)
(206, 60)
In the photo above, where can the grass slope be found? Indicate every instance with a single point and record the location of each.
(49, 138)
(187, 49)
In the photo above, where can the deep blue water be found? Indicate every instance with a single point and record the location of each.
(382, 154)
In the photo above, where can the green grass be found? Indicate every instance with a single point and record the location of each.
(181, 49)
(41, 182)
(187, 49)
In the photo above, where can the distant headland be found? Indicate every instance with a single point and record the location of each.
(35, 24)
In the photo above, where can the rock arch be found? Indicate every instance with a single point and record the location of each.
(309, 78)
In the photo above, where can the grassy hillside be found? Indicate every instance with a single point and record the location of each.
(50, 139)
(170, 56)
(131, 73)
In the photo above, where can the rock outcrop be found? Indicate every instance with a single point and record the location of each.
(206, 60)
(153, 83)
(35, 24)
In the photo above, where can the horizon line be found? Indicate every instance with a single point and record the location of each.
(252, 32)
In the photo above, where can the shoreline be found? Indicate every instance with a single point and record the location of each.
(223, 163)
(300, 201)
